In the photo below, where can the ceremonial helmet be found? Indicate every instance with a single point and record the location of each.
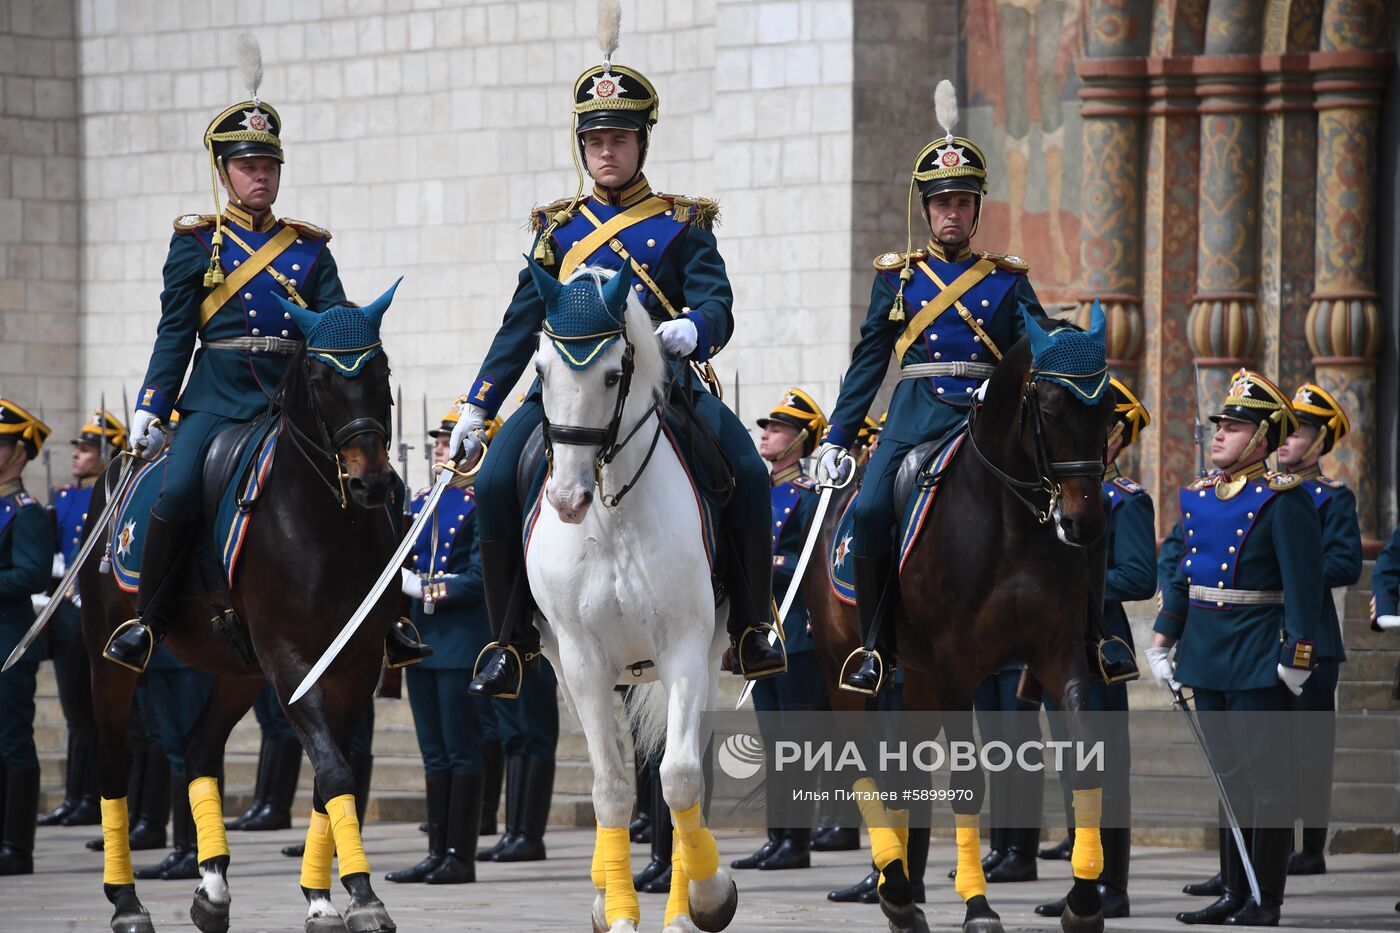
(20, 426)
(102, 426)
(1316, 406)
(1130, 416)
(1253, 399)
(798, 409)
(609, 96)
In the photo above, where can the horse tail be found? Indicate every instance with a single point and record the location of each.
(646, 706)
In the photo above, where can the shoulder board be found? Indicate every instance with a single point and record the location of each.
(306, 229)
(888, 262)
(1202, 482)
(1128, 486)
(1007, 262)
(189, 223)
(540, 216)
(694, 212)
(1331, 483)
(1280, 481)
(422, 493)
(805, 482)
(23, 498)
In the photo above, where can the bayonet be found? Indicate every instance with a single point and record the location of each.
(48, 467)
(102, 426)
(403, 451)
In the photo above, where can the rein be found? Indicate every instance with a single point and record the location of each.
(1049, 472)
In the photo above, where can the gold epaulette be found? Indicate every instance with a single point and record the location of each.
(1007, 262)
(805, 482)
(1202, 482)
(1281, 481)
(695, 212)
(307, 229)
(889, 262)
(541, 216)
(189, 223)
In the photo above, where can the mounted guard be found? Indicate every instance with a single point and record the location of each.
(666, 245)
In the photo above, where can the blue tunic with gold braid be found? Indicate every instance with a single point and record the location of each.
(26, 555)
(1132, 550)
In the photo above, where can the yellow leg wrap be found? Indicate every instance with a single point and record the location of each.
(699, 853)
(899, 825)
(320, 849)
(1087, 857)
(600, 876)
(885, 845)
(345, 827)
(970, 879)
(208, 812)
(620, 897)
(116, 847)
(679, 901)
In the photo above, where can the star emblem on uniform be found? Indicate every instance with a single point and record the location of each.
(257, 121)
(606, 85)
(843, 550)
(951, 156)
(126, 538)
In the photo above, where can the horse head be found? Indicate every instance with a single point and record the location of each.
(600, 369)
(345, 402)
(1058, 379)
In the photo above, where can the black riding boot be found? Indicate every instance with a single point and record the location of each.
(494, 759)
(260, 784)
(873, 576)
(133, 641)
(71, 791)
(182, 863)
(770, 845)
(1113, 881)
(21, 804)
(402, 647)
(1213, 886)
(749, 583)
(515, 794)
(283, 773)
(515, 654)
(463, 827)
(640, 827)
(361, 771)
(658, 832)
(1234, 887)
(1018, 863)
(1312, 860)
(148, 832)
(794, 851)
(1268, 850)
(439, 794)
(528, 843)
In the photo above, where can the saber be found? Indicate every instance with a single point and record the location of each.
(391, 570)
(94, 535)
(1180, 703)
(808, 546)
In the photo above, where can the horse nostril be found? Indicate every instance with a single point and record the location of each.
(586, 498)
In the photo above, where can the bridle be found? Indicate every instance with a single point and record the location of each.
(606, 438)
(1048, 472)
(326, 447)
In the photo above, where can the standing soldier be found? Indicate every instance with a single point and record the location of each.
(1321, 424)
(445, 586)
(1131, 574)
(667, 246)
(1249, 579)
(26, 554)
(223, 274)
(790, 432)
(1385, 599)
(100, 439)
(947, 314)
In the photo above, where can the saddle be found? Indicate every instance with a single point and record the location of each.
(918, 471)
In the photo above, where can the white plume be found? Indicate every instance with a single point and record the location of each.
(250, 60)
(945, 106)
(609, 27)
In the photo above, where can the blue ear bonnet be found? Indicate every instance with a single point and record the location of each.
(343, 338)
(1077, 360)
(584, 317)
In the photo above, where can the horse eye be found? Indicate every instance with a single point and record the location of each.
(613, 377)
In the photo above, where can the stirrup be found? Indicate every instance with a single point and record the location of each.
(521, 659)
(128, 624)
(862, 653)
(409, 632)
(777, 642)
(1124, 668)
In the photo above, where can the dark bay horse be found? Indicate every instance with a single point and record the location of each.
(1001, 573)
(323, 528)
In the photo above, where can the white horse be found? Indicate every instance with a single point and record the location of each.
(622, 582)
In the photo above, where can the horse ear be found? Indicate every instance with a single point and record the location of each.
(1040, 340)
(615, 291)
(304, 318)
(374, 311)
(547, 285)
(1097, 323)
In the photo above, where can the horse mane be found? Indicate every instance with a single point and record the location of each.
(649, 365)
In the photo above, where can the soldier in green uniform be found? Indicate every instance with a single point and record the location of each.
(26, 555)
(1321, 424)
(1243, 612)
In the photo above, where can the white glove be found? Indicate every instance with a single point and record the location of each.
(678, 336)
(60, 566)
(146, 438)
(38, 601)
(466, 436)
(834, 465)
(1388, 622)
(1293, 679)
(1163, 668)
(411, 583)
(76, 599)
(980, 393)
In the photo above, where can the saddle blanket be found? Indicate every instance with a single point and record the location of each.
(229, 526)
(916, 512)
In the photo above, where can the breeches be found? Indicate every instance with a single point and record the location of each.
(445, 719)
(181, 491)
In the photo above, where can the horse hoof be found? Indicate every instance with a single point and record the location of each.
(980, 918)
(327, 923)
(712, 921)
(369, 918)
(133, 922)
(681, 924)
(983, 925)
(911, 921)
(207, 916)
(1072, 922)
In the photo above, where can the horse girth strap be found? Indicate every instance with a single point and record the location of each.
(949, 295)
(256, 262)
(603, 232)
